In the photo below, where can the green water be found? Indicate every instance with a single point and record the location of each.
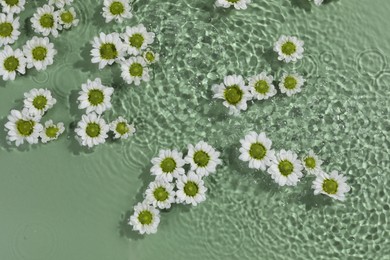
(58, 201)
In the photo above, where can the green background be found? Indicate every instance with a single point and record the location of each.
(59, 201)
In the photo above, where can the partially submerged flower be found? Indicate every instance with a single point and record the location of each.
(150, 57)
(51, 131)
(291, 83)
(67, 18)
(312, 163)
(121, 128)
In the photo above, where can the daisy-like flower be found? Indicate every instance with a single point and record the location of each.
(116, 9)
(160, 194)
(318, 2)
(190, 189)
(238, 4)
(234, 92)
(38, 101)
(51, 131)
(289, 48)
(11, 62)
(312, 163)
(256, 149)
(12, 6)
(60, 3)
(67, 18)
(94, 96)
(150, 57)
(121, 128)
(45, 21)
(92, 130)
(168, 165)
(145, 219)
(137, 38)
(261, 86)
(291, 83)
(334, 185)
(22, 127)
(135, 70)
(286, 168)
(9, 29)
(39, 53)
(203, 158)
(107, 48)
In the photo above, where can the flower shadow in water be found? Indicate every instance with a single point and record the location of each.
(271, 58)
(302, 4)
(312, 201)
(74, 146)
(85, 64)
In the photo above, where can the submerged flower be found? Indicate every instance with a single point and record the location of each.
(312, 163)
(45, 21)
(234, 93)
(256, 149)
(94, 96)
(38, 101)
(51, 131)
(190, 189)
(286, 169)
(60, 3)
(121, 128)
(238, 4)
(67, 18)
(145, 219)
(12, 6)
(11, 62)
(39, 53)
(22, 127)
(92, 130)
(261, 86)
(9, 29)
(107, 48)
(135, 70)
(168, 165)
(203, 158)
(137, 38)
(116, 9)
(150, 57)
(334, 185)
(160, 194)
(289, 48)
(291, 83)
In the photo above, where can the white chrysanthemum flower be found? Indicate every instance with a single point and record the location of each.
(60, 3)
(190, 189)
(261, 86)
(51, 131)
(286, 169)
(145, 219)
(67, 18)
(94, 96)
(318, 2)
(160, 194)
(238, 4)
(38, 101)
(9, 29)
(92, 130)
(22, 126)
(116, 10)
(291, 83)
(256, 149)
(107, 48)
(135, 70)
(289, 48)
(45, 21)
(168, 165)
(334, 185)
(39, 53)
(137, 38)
(11, 62)
(203, 158)
(312, 163)
(12, 6)
(121, 128)
(234, 92)
(150, 57)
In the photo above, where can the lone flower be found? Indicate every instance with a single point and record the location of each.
(145, 219)
(333, 185)
(289, 48)
(291, 83)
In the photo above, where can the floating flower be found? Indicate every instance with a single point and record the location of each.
(94, 96)
(9, 29)
(67, 18)
(145, 219)
(137, 38)
(238, 4)
(150, 57)
(318, 2)
(38, 101)
(234, 93)
(39, 53)
(45, 21)
(51, 131)
(289, 48)
(256, 149)
(107, 48)
(92, 130)
(168, 165)
(121, 128)
(160, 194)
(11, 62)
(203, 158)
(22, 127)
(60, 3)
(286, 169)
(312, 163)
(261, 86)
(334, 185)
(116, 9)
(291, 83)
(12, 6)
(190, 189)
(135, 70)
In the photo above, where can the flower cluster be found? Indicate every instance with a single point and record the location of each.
(117, 10)
(173, 185)
(93, 129)
(238, 4)
(286, 168)
(25, 125)
(236, 93)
